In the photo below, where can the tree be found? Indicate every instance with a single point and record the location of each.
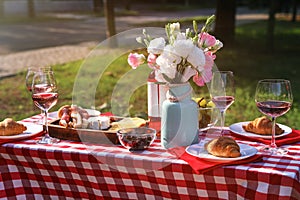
(127, 4)
(295, 4)
(273, 7)
(98, 4)
(110, 20)
(225, 20)
(31, 8)
(187, 3)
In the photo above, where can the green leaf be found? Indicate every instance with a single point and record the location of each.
(139, 40)
(195, 26)
(208, 24)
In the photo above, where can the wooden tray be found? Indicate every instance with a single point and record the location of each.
(82, 135)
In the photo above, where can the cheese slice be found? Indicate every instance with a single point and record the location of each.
(128, 123)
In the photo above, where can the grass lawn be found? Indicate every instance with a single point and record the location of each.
(248, 58)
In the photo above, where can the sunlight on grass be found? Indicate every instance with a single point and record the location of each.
(248, 59)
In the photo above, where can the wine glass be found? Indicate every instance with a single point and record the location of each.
(273, 98)
(28, 81)
(30, 74)
(222, 92)
(44, 96)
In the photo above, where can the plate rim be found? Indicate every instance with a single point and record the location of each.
(222, 159)
(257, 135)
(24, 135)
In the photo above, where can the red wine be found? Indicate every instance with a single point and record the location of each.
(273, 108)
(42, 88)
(223, 102)
(45, 100)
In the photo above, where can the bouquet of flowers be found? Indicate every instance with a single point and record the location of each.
(181, 55)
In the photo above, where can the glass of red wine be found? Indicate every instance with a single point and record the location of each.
(29, 77)
(45, 96)
(28, 81)
(30, 74)
(273, 98)
(222, 92)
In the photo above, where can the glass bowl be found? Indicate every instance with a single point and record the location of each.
(207, 117)
(136, 138)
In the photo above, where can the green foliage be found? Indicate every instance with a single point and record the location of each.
(248, 59)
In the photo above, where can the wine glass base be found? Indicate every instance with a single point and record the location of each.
(47, 140)
(274, 150)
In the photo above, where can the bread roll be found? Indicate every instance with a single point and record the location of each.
(10, 127)
(262, 126)
(223, 147)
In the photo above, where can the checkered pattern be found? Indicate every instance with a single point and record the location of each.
(72, 170)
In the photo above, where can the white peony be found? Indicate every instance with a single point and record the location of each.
(166, 66)
(197, 58)
(157, 45)
(188, 73)
(175, 28)
(181, 36)
(183, 48)
(159, 77)
(170, 55)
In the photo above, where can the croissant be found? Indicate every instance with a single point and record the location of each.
(262, 126)
(10, 127)
(223, 147)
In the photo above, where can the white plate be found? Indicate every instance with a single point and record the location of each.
(238, 129)
(93, 112)
(198, 150)
(32, 130)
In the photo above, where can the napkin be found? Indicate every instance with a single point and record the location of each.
(201, 165)
(288, 139)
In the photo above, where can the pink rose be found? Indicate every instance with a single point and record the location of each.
(198, 79)
(152, 60)
(209, 60)
(135, 60)
(206, 40)
(206, 74)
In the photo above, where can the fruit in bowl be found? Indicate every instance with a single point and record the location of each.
(208, 113)
(139, 138)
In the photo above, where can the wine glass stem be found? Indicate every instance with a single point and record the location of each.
(46, 123)
(222, 121)
(273, 144)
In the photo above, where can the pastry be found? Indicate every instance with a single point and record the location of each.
(262, 126)
(223, 147)
(10, 127)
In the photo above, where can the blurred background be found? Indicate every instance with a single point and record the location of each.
(261, 40)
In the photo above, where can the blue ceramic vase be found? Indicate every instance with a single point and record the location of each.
(179, 120)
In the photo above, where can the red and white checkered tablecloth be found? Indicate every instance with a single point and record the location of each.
(73, 170)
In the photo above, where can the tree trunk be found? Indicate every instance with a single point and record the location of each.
(110, 21)
(295, 4)
(271, 25)
(225, 21)
(31, 8)
(186, 3)
(98, 4)
(127, 4)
